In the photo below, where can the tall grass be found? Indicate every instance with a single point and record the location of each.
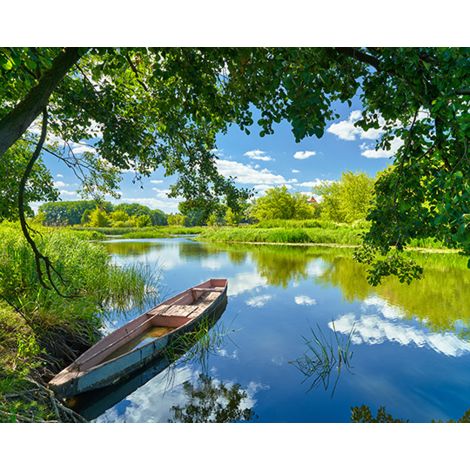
(198, 344)
(42, 331)
(143, 232)
(293, 223)
(340, 235)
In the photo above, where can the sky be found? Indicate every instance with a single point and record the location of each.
(260, 163)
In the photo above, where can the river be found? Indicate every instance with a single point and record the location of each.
(303, 338)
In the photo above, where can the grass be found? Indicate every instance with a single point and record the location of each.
(308, 231)
(143, 232)
(310, 223)
(196, 345)
(339, 235)
(41, 331)
(325, 356)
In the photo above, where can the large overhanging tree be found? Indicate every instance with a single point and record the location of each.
(141, 108)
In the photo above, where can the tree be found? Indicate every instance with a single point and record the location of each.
(85, 218)
(40, 187)
(176, 219)
(68, 212)
(159, 217)
(140, 108)
(231, 218)
(99, 218)
(278, 203)
(213, 220)
(209, 401)
(143, 220)
(118, 216)
(348, 199)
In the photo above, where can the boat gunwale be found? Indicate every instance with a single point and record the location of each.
(77, 373)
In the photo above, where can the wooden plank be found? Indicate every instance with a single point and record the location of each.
(178, 311)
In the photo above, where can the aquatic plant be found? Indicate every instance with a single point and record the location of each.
(197, 345)
(325, 357)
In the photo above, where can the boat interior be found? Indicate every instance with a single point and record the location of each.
(169, 315)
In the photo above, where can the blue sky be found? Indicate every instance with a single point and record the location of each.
(262, 162)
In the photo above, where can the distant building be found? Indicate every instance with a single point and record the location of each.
(312, 200)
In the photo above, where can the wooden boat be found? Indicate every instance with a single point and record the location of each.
(135, 344)
(94, 403)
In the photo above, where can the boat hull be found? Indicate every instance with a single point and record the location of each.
(113, 371)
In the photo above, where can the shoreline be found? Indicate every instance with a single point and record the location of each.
(330, 245)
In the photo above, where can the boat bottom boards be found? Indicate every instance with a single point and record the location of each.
(145, 337)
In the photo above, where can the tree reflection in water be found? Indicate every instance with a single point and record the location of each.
(363, 414)
(210, 401)
(439, 305)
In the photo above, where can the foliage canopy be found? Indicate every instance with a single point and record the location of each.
(140, 108)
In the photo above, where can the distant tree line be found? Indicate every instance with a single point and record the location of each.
(104, 214)
(347, 200)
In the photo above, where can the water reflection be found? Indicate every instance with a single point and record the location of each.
(195, 346)
(386, 323)
(409, 342)
(211, 401)
(132, 248)
(191, 396)
(327, 355)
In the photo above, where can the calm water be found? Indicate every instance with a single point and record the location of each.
(408, 348)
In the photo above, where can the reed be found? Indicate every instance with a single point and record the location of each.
(326, 356)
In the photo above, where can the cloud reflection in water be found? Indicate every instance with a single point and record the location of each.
(385, 322)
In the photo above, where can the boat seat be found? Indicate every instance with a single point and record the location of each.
(179, 311)
(208, 289)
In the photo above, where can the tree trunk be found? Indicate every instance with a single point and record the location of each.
(15, 123)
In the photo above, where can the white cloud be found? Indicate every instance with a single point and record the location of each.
(259, 301)
(317, 267)
(153, 402)
(313, 184)
(246, 174)
(387, 323)
(156, 181)
(258, 155)
(81, 148)
(304, 300)
(371, 152)
(161, 192)
(372, 329)
(61, 184)
(64, 192)
(346, 130)
(302, 155)
(59, 175)
(161, 202)
(224, 353)
(244, 282)
(212, 264)
(389, 311)
(262, 188)
(295, 171)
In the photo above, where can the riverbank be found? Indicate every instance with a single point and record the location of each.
(306, 233)
(42, 329)
(336, 245)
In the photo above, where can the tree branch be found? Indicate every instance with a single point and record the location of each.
(15, 123)
(136, 72)
(361, 56)
(38, 256)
